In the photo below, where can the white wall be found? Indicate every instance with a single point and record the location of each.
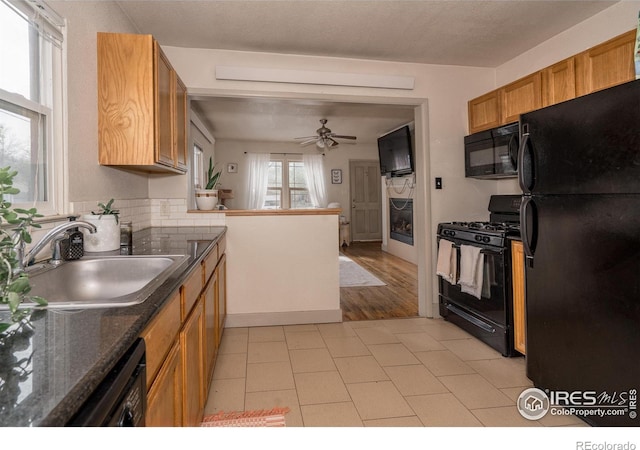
(87, 179)
(440, 125)
(611, 22)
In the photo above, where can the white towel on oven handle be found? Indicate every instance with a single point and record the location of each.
(447, 266)
(471, 270)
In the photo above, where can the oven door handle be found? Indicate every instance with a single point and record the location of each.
(468, 317)
(483, 251)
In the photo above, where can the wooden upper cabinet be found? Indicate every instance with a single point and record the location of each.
(520, 97)
(559, 82)
(605, 65)
(484, 112)
(164, 100)
(141, 105)
(181, 123)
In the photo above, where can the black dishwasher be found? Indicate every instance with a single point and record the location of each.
(121, 399)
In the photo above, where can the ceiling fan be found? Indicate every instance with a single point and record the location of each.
(324, 138)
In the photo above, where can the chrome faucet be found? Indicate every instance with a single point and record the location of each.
(28, 259)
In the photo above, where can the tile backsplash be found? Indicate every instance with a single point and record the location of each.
(142, 213)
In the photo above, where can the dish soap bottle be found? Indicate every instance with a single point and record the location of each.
(75, 250)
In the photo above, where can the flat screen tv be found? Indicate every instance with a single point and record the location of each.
(396, 152)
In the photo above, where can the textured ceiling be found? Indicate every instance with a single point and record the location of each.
(471, 33)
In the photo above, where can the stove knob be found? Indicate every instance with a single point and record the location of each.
(478, 238)
(486, 239)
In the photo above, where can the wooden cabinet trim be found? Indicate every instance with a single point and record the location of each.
(519, 301)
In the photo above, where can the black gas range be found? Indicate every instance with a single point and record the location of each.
(486, 311)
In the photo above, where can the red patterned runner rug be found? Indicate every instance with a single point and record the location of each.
(273, 417)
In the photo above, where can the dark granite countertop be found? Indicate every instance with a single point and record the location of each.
(49, 370)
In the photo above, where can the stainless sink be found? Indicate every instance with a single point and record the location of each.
(99, 282)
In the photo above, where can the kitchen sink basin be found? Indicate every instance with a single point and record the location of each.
(100, 282)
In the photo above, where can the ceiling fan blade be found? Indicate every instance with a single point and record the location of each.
(309, 141)
(339, 136)
(332, 142)
(307, 137)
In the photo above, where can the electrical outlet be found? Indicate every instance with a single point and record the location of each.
(165, 209)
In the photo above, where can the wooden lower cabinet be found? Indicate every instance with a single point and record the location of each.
(210, 318)
(164, 399)
(192, 345)
(519, 300)
(182, 344)
(221, 298)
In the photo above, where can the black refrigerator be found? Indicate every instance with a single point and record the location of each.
(579, 170)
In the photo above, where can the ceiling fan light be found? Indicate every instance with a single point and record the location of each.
(320, 143)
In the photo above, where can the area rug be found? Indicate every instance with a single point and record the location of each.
(273, 417)
(352, 274)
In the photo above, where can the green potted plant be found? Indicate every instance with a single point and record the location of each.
(107, 236)
(207, 198)
(15, 224)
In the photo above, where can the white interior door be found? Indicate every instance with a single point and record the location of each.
(366, 213)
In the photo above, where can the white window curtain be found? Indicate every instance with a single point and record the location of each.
(258, 164)
(314, 171)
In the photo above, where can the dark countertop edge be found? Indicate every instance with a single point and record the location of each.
(77, 395)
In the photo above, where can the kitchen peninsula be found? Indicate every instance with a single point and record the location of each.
(283, 266)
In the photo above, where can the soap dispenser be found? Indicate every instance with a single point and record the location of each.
(75, 249)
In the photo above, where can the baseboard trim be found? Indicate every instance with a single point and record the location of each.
(283, 318)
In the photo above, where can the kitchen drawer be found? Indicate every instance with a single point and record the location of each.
(160, 335)
(210, 262)
(191, 292)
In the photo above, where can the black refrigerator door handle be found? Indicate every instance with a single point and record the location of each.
(525, 162)
(529, 228)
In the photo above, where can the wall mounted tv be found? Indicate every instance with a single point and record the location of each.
(396, 152)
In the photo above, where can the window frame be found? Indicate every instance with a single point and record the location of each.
(286, 190)
(52, 28)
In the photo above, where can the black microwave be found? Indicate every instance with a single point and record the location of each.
(492, 153)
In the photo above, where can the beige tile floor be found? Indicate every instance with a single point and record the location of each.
(397, 372)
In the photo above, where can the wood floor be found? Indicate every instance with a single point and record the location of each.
(399, 298)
